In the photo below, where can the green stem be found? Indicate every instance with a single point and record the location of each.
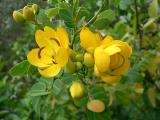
(95, 16)
(138, 27)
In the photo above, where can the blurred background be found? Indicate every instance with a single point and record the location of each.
(17, 39)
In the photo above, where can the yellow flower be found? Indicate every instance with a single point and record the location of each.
(89, 40)
(111, 56)
(52, 54)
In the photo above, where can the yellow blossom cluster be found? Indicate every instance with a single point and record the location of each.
(109, 57)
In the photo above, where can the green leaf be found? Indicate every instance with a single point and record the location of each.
(124, 4)
(134, 76)
(42, 18)
(104, 18)
(99, 93)
(67, 16)
(57, 86)
(153, 8)
(106, 115)
(22, 68)
(122, 98)
(52, 12)
(68, 78)
(120, 29)
(83, 101)
(38, 89)
(36, 105)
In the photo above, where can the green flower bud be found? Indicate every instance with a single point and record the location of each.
(35, 8)
(18, 17)
(70, 67)
(79, 65)
(88, 60)
(72, 55)
(28, 14)
(79, 58)
(76, 90)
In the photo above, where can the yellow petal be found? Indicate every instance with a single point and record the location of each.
(108, 39)
(50, 71)
(113, 49)
(40, 38)
(97, 73)
(63, 37)
(47, 55)
(49, 31)
(33, 58)
(102, 59)
(62, 56)
(89, 39)
(111, 79)
(46, 39)
(47, 52)
(123, 69)
(126, 50)
(116, 61)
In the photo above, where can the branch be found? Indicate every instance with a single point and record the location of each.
(138, 27)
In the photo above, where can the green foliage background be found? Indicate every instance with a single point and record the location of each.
(27, 96)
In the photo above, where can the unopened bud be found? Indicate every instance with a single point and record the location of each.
(96, 106)
(18, 17)
(28, 14)
(70, 67)
(35, 8)
(79, 65)
(79, 58)
(77, 90)
(88, 60)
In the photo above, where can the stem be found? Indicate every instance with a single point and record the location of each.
(88, 23)
(73, 39)
(138, 27)
(95, 16)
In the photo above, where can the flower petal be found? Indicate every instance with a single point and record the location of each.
(97, 73)
(113, 49)
(89, 39)
(46, 38)
(34, 59)
(40, 38)
(63, 37)
(50, 32)
(50, 71)
(126, 50)
(111, 79)
(62, 56)
(108, 39)
(102, 59)
(123, 69)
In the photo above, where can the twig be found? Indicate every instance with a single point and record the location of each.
(138, 27)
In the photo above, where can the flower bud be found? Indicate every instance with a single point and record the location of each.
(79, 58)
(76, 90)
(79, 65)
(18, 17)
(96, 106)
(70, 67)
(72, 55)
(28, 14)
(138, 88)
(35, 8)
(88, 60)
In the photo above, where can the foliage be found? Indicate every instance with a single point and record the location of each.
(27, 95)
